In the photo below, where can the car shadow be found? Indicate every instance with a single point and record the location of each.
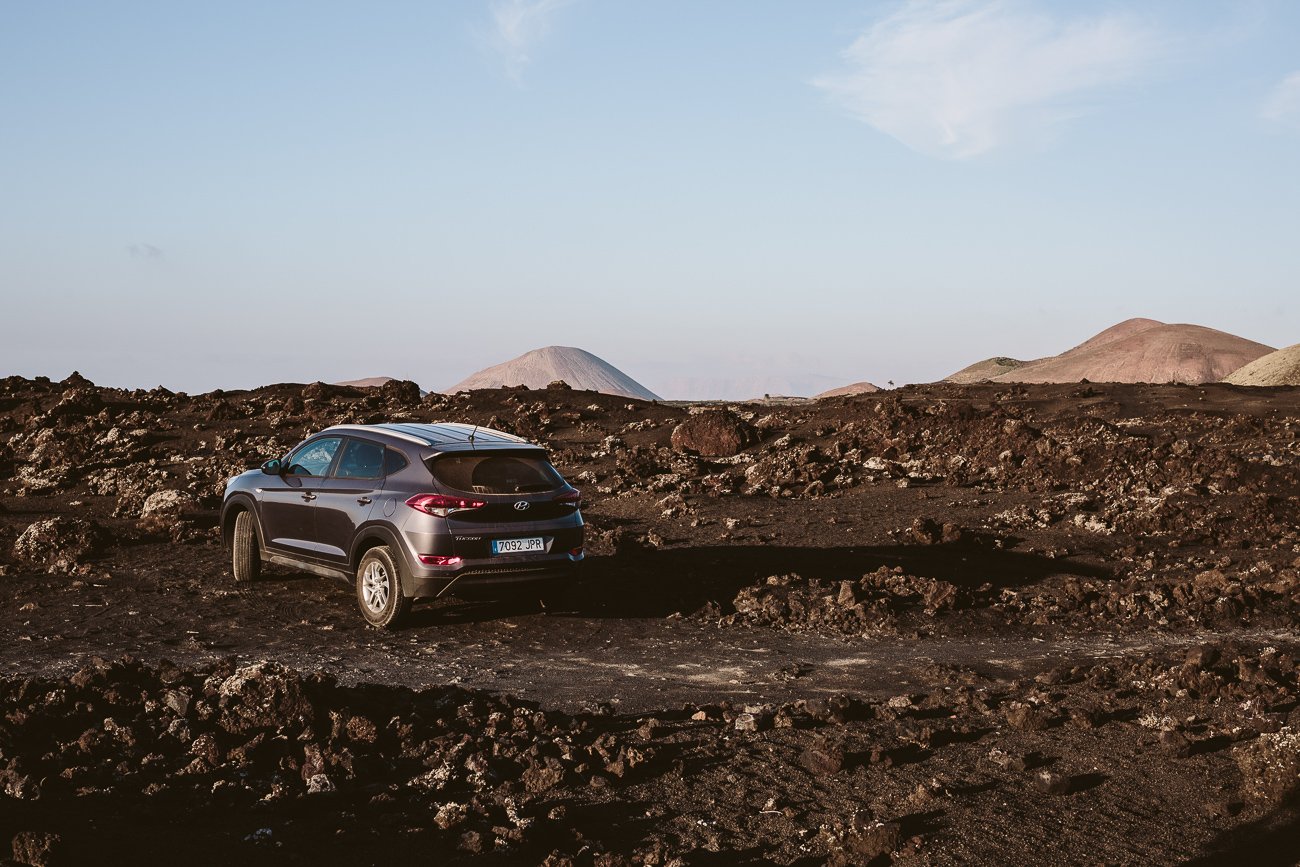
(659, 582)
(1270, 840)
(455, 610)
(643, 582)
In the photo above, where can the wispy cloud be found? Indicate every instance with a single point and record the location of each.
(144, 251)
(518, 26)
(1283, 103)
(958, 78)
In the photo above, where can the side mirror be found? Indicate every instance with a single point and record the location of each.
(273, 467)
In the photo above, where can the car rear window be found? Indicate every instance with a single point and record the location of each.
(496, 474)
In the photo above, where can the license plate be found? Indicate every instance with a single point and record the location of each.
(518, 546)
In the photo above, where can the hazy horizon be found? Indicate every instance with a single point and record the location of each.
(204, 197)
(722, 379)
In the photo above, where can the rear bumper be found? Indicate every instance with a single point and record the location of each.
(470, 545)
(486, 575)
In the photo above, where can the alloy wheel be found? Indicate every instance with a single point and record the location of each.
(374, 586)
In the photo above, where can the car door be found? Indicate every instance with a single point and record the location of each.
(288, 500)
(345, 498)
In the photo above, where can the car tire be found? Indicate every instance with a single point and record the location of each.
(246, 555)
(379, 589)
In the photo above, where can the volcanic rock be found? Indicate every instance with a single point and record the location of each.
(79, 402)
(866, 843)
(1270, 767)
(60, 544)
(377, 382)
(163, 510)
(402, 392)
(824, 757)
(542, 778)
(1203, 656)
(319, 784)
(38, 849)
(1176, 744)
(1007, 761)
(926, 531)
(754, 719)
(450, 815)
(714, 433)
(1026, 717)
(1052, 783)
(261, 696)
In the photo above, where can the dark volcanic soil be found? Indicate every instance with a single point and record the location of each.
(944, 624)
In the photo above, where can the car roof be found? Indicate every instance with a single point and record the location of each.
(443, 436)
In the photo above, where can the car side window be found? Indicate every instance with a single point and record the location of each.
(394, 462)
(361, 459)
(314, 458)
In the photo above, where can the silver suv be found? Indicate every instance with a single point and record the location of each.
(407, 511)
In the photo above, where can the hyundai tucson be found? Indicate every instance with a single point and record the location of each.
(407, 511)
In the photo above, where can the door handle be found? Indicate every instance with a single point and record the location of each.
(309, 496)
(364, 501)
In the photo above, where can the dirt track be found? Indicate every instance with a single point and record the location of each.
(572, 659)
(946, 624)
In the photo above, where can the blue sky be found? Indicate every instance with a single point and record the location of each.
(225, 195)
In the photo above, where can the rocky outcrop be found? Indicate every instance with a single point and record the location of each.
(713, 433)
(59, 544)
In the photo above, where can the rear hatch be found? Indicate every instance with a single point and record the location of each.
(515, 495)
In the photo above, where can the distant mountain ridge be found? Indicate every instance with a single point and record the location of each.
(367, 382)
(1135, 350)
(373, 382)
(706, 384)
(540, 367)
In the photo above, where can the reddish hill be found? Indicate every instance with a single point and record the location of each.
(1136, 350)
(1276, 368)
(577, 367)
(845, 390)
(1124, 329)
(989, 368)
(368, 382)
(1167, 353)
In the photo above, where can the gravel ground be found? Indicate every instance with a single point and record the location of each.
(945, 624)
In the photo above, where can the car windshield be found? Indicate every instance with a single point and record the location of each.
(496, 474)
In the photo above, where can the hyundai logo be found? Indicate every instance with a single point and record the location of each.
(521, 506)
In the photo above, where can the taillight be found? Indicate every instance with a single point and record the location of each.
(442, 505)
(570, 498)
(439, 560)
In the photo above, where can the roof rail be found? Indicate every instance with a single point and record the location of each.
(481, 429)
(371, 429)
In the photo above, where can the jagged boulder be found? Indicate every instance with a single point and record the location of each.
(400, 391)
(59, 544)
(1270, 767)
(263, 695)
(163, 511)
(714, 433)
